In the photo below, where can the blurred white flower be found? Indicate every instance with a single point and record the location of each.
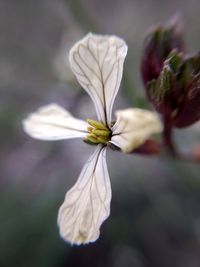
(97, 62)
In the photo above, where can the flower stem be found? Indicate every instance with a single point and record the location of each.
(168, 137)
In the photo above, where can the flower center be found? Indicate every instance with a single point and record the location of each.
(98, 133)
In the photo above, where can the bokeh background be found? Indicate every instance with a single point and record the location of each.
(155, 218)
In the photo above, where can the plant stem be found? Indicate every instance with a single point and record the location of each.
(168, 137)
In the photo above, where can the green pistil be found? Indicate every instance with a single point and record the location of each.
(98, 133)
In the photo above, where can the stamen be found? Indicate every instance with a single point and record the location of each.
(89, 128)
(98, 133)
(102, 139)
(101, 132)
(92, 139)
(96, 124)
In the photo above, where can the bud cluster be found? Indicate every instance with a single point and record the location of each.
(171, 77)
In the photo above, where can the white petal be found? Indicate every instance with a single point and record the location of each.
(97, 61)
(52, 122)
(87, 204)
(133, 127)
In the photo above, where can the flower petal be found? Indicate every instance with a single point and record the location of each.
(53, 122)
(97, 61)
(87, 204)
(133, 127)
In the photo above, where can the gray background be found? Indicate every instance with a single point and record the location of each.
(155, 213)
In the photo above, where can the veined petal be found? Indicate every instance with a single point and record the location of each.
(53, 122)
(97, 62)
(87, 204)
(133, 127)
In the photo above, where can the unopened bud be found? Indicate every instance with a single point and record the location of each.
(176, 92)
(157, 46)
(163, 91)
(190, 109)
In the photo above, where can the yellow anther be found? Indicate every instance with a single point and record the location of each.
(98, 133)
(89, 128)
(96, 124)
(102, 139)
(93, 135)
(92, 139)
(105, 133)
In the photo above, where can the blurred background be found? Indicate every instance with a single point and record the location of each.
(155, 211)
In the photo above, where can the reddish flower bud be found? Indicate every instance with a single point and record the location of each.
(189, 112)
(171, 79)
(176, 92)
(150, 147)
(164, 92)
(157, 46)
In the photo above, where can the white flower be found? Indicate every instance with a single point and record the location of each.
(97, 62)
